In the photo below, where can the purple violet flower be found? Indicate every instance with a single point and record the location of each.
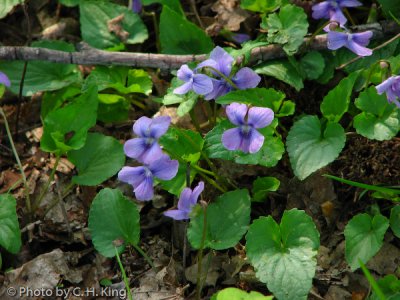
(220, 60)
(355, 42)
(245, 137)
(332, 10)
(201, 84)
(137, 6)
(240, 37)
(145, 148)
(141, 178)
(4, 80)
(391, 87)
(187, 200)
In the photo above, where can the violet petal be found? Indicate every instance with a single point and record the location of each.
(236, 113)
(260, 117)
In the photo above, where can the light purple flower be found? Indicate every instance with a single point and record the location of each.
(245, 137)
(220, 60)
(141, 178)
(4, 79)
(391, 87)
(355, 42)
(332, 10)
(187, 200)
(201, 84)
(145, 148)
(137, 6)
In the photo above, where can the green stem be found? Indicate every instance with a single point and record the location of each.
(209, 112)
(194, 120)
(212, 182)
(126, 281)
(46, 188)
(146, 257)
(26, 188)
(319, 29)
(227, 79)
(200, 256)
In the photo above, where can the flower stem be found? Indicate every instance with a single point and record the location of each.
(146, 257)
(46, 188)
(227, 79)
(26, 187)
(126, 281)
(200, 256)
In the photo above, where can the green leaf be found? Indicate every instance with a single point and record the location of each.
(112, 108)
(336, 102)
(312, 146)
(237, 294)
(94, 18)
(380, 120)
(141, 79)
(269, 154)
(7, 6)
(390, 8)
(312, 65)
(281, 69)
(179, 36)
(112, 218)
(66, 128)
(287, 109)
(10, 234)
(287, 28)
(395, 220)
(53, 100)
(175, 5)
(100, 158)
(70, 3)
(260, 97)
(42, 76)
(284, 255)
(182, 144)
(329, 69)
(262, 6)
(262, 186)
(364, 237)
(226, 232)
(390, 286)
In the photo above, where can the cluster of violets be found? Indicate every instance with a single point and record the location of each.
(219, 81)
(355, 42)
(332, 10)
(156, 164)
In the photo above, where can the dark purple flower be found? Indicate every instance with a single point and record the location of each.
(220, 60)
(141, 178)
(145, 148)
(332, 10)
(201, 84)
(4, 79)
(245, 137)
(391, 87)
(187, 200)
(240, 37)
(137, 6)
(355, 42)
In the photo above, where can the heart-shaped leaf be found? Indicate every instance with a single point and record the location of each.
(311, 147)
(113, 222)
(284, 255)
(10, 234)
(100, 158)
(364, 237)
(222, 232)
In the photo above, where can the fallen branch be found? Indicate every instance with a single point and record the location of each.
(91, 56)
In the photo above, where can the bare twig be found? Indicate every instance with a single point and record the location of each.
(91, 56)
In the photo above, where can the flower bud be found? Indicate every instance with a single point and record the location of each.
(383, 64)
